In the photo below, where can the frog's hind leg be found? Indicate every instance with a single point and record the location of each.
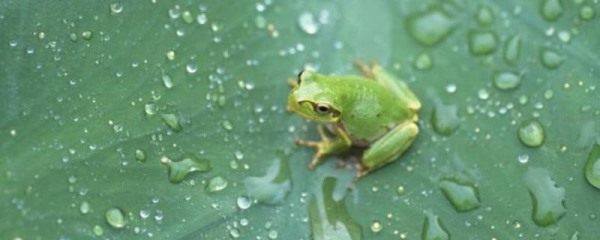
(365, 69)
(388, 148)
(397, 86)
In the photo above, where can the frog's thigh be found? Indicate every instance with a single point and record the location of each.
(389, 147)
(397, 86)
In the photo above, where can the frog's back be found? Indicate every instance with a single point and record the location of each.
(369, 109)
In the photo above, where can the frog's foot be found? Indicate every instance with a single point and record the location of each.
(366, 69)
(320, 146)
(361, 171)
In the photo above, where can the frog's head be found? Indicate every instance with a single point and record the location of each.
(309, 99)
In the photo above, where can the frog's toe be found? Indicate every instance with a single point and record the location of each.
(307, 143)
(315, 161)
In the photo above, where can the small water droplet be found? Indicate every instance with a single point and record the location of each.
(244, 202)
(217, 184)
(98, 231)
(587, 13)
(551, 59)
(485, 15)
(150, 109)
(272, 234)
(483, 94)
(116, 8)
(115, 217)
(172, 121)
(201, 19)
(506, 80)
(144, 213)
(140, 155)
(564, 36)
(400, 190)
(167, 81)
(423, 61)
(84, 208)
(592, 167)
(523, 158)
(551, 9)
(512, 49)
(444, 118)
(431, 26)
(234, 233)
(376, 226)
(187, 17)
(178, 170)
(433, 229)
(464, 196)
(191, 68)
(238, 155)
(307, 23)
(482, 42)
(227, 125)
(547, 198)
(531, 133)
(87, 35)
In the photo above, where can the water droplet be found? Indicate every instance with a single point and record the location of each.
(531, 133)
(485, 15)
(376, 226)
(244, 202)
(167, 81)
(178, 170)
(84, 208)
(592, 167)
(201, 19)
(512, 49)
(329, 218)
(273, 187)
(150, 109)
(547, 198)
(400, 190)
(482, 42)
(307, 23)
(551, 9)
(140, 155)
(523, 158)
(260, 22)
(172, 121)
(187, 17)
(483, 94)
(464, 196)
(423, 61)
(433, 229)
(587, 13)
(444, 118)
(116, 8)
(227, 125)
(506, 80)
(430, 27)
(115, 217)
(87, 35)
(272, 234)
(144, 213)
(574, 236)
(551, 59)
(217, 184)
(238, 155)
(234, 233)
(191, 68)
(564, 36)
(98, 231)
(451, 88)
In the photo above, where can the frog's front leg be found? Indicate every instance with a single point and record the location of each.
(388, 148)
(327, 145)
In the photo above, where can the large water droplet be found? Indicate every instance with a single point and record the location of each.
(551, 59)
(115, 217)
(433, 229)
(592, 167)
(178, 170)
(531, 133)
(463, 195)
(512, 49)
(547, 198)
(506, 80)
(172, 121)
(482, 42)
(444, 118)
(551, 9)
(273, 187)
(430, 27)
(329, 218)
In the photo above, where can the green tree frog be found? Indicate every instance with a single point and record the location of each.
(376, 112)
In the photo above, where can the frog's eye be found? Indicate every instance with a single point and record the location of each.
(300, 77)
(322, 108)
